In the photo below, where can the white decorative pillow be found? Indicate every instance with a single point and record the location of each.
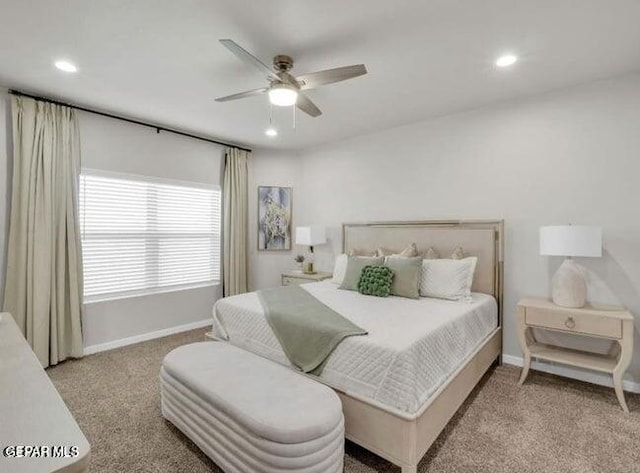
(431, 254)
(340, 269)
(411, 251)
(381, 252)
(448, 278)
(458, 253)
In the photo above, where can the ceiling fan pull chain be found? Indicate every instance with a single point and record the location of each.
(294, 117)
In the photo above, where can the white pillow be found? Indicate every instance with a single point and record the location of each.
(340, 269)
(448, 278)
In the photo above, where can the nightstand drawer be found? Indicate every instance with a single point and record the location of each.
(295, 278)
(287, 281)
(291, 281)
(578, 322)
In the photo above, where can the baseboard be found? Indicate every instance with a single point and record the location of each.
(561, 370)
(146, 336)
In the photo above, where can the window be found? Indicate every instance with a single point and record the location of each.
(142, 235)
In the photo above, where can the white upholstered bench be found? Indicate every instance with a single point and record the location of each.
(249, 414)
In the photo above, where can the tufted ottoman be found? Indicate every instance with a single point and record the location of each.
(249, 414)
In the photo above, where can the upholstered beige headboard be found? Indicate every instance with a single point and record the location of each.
(481, 238)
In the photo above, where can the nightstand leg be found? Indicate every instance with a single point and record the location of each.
(617, 384)
(525, 368)
(524, 337)
(626, 349)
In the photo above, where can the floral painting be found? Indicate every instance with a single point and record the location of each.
(274, 218)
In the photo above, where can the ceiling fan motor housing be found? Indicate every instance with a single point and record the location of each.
(282, 63)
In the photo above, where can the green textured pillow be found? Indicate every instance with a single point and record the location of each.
(375, 281)
(354, 268)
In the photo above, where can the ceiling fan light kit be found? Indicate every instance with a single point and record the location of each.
(283, 95)
(284, 89)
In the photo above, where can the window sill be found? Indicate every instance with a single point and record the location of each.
(130, 295)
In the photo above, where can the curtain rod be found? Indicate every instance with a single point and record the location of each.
(158, 128)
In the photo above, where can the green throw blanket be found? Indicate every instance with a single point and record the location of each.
(306, 328)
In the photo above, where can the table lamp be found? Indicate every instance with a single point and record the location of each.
(310, 236)
(569, 288)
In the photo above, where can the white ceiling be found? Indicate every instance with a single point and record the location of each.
(160, 60)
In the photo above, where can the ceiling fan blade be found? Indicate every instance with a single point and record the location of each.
(248, 58)
(330, 76)
(307, 106)
(242, 95)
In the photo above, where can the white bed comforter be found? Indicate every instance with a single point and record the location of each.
(412, 347)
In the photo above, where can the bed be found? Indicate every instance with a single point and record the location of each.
(401, 383)
(411, 348)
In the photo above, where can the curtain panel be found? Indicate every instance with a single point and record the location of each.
(236, 221)
(43, 288)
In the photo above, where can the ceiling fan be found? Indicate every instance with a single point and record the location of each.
(284, 89)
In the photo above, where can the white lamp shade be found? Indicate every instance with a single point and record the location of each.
(571, 240)
(311, 235)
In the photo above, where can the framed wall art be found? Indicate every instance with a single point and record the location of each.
(274, 218)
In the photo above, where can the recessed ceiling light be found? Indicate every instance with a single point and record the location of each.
(66, 66)
(506, 60)
(271, 132)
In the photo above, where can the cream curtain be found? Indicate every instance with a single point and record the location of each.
(43, 287)
(235, 225)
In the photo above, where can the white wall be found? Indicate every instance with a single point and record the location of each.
(571, 156)
(114, 145)
(272, 168)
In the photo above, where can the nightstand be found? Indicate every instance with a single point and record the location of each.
(298, 277)
(616, 325)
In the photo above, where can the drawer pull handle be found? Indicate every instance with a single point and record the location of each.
(570, 323)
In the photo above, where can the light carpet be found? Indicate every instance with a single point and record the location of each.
(550, 424)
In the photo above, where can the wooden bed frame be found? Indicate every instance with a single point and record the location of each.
(401, 438)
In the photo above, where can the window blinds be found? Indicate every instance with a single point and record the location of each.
(143, 235)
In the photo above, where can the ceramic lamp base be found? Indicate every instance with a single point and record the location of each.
(569, 287)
